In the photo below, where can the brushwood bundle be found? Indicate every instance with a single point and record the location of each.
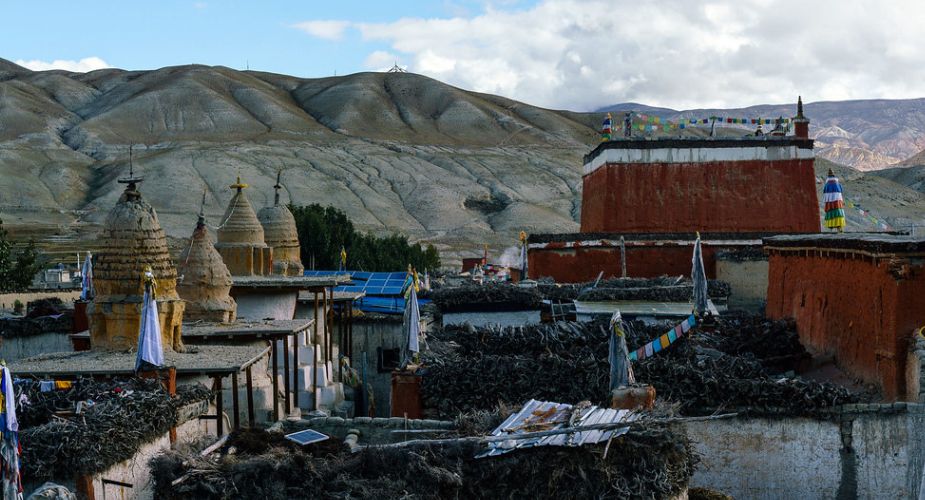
(654, 462)
(736, 367)
(486, 297)
(117, 418)
(673, 289)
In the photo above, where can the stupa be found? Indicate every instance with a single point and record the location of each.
(132, 239)
(206, 282)
(241, 240)
(280, 233)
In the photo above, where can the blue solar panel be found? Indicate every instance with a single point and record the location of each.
(308, 436)
(391, 290)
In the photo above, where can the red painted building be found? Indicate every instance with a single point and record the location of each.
(579, 257)
(658, 192)
(858, 297)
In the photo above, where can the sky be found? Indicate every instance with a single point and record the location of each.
(565, 54)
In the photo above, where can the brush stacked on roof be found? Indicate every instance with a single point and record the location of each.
(735, 367)
(125, 415)
(645, 463)
(675, 289)
(486, 297)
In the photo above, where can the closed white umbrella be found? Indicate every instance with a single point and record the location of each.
(9, 444)
(150, 347)
(699, 277)
(412, 327)
(86, 286)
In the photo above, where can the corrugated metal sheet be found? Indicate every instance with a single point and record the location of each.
(545, 416)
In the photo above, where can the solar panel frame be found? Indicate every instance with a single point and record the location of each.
(307, 436)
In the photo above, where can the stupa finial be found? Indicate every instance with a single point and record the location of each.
(277, 187)
(131, 180)
(238, 185)
(202, 211)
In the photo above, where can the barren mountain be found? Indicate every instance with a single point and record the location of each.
(396, 151)
(864, 134)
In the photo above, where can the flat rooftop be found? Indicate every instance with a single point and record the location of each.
(287, 282)
(200, 359)
(876, 243)
(628, 237)
(337, 296)
(764, 141)
(249, 329)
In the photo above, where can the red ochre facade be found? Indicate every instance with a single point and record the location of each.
(720, 196)
(861, 309)
(576, 265)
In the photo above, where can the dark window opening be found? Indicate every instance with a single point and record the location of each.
(389, 359)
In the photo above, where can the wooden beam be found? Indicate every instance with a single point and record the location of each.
(236, 419)
(250, 397)
(219, 407)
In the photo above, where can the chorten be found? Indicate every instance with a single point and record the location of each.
(280, 233)
(132, 239)
(206, 282)
(240, 238)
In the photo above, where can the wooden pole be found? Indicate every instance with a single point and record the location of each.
(275, 382)
(553, 432)
(314, 365)
(85, 487)
(295, 370)
(286, 387)
(350, 328)
(171, 383)
(329, 353)
(236, 419)
(219, 407)
(250, 397)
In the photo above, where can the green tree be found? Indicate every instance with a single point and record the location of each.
(17, 268)
(323, 231)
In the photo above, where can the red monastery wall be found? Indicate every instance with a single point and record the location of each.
(719, 196)
(860, 309)
(576, 265)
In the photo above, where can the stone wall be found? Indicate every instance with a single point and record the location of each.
(8, 299)
(748, 280)
(863, 451)
(13, 348)
(502, 318)
(369, 335)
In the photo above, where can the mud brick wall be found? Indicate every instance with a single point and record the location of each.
(859, 451)
(643, 260)
(719, 196)
(861, 310)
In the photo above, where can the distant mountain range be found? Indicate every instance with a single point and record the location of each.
(865, 134)
(396, 151)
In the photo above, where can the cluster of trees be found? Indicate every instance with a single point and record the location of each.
(17, 267)
(323, 231)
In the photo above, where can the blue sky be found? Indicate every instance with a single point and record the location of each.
(153, 34)
(571, 54)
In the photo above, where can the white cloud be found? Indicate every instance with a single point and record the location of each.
(82, 66)
(582, 54)
(327, 30)
(380, 60)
